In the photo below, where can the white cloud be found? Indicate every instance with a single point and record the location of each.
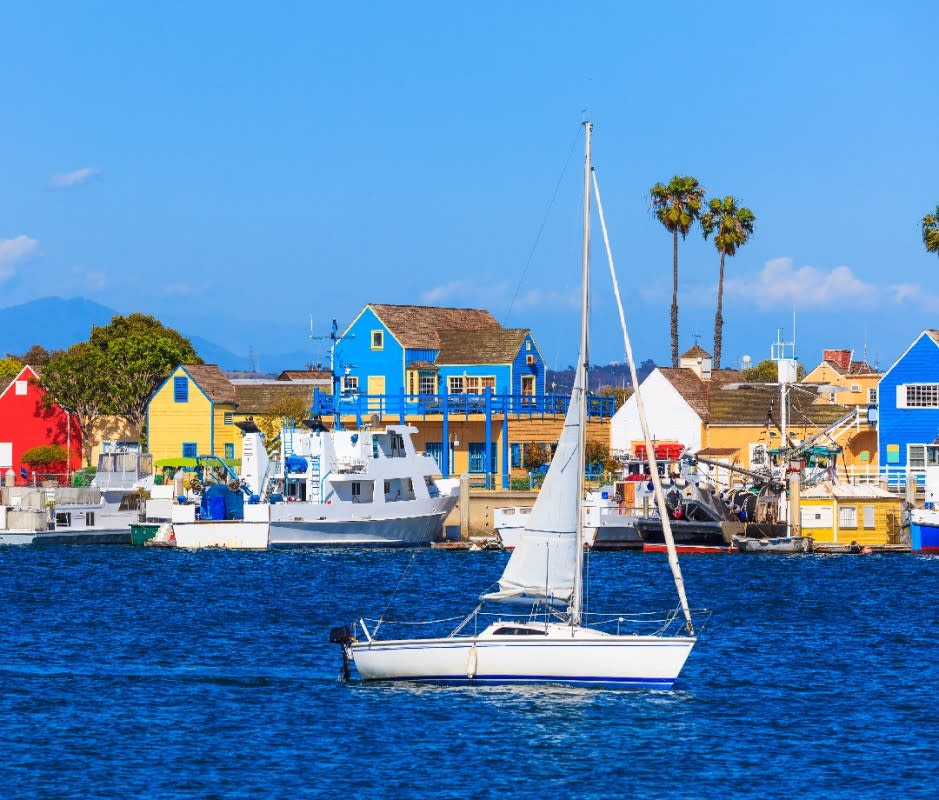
(12, 251)
(75, 178)
(780, 285)
(498, 296)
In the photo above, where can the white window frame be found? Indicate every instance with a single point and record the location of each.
(455, 384)
(21, 387)
(872, 396)
(920, 456)
(476, 384)
(350, 384)
(918, 395)
(855, 387)
(847, 517)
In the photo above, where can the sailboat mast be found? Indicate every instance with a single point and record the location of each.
(584, 360)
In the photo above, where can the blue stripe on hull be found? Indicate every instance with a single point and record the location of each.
(602, 682)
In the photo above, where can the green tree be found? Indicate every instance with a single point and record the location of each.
(766, 372)
(620, 394)
(36, 356)
(677, 206)
(49, 459)
(732, 226)
(77, 380)
(140, 352)
(931, 231)
(10, 367)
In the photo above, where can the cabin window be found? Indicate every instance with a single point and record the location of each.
(63, 519)
(518, 632)
(847, 517)
(181, 390)
(868, 516)
(427, 383)
(21, 387)
(387, 487)
(190, 449)
(356, 490)
(89, 518)
(229, 418)
(229, 450)
(378, 340)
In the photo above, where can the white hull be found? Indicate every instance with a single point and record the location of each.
(227, 534)
(582, 657)
(510, 536)
(390, 524)
(779, 544)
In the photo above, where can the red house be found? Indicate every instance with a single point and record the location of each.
(26, 423)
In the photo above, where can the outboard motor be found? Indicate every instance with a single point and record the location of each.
(343, 637)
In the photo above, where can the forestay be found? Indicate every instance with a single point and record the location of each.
(542, 566)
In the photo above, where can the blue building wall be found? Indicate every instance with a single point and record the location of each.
(355, 352)
(899, 427)
(521, 367)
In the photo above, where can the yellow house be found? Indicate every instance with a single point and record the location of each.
(857, 380)
(844, 513)
(192, 413)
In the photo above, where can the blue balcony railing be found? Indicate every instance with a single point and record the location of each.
(429, 405)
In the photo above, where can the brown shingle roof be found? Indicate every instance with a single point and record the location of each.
(696, 391)
(498, 346)
(213, 382)
(419, 326)
(260, 398)
(695, 351)
(303, 375)
(854, 368)
(759, 404)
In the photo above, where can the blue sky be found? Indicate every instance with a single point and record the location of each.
(237, 168)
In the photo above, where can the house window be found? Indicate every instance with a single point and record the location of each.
(922, 395)
(528, 344)
(855, 387)
(378, 340)
(190, 449)
(920, 456)
(20, 387)
(847, 517)
(229, 418)
(455, 384)
(868, 516)
(427, 383)
(515, 450)
(477, 457)
(872, 396)
(350, 384)
(181, 390)
(229, 450)
(477, 384)
(528, 388)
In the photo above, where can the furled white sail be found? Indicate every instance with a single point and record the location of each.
(542, 566)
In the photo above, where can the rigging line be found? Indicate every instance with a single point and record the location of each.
(394, 594)
(544, 223)
(647, 436)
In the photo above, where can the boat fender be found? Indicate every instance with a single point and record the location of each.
(472, 663)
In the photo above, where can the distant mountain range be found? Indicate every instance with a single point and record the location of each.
(57, 323)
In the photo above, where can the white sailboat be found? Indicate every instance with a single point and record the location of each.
(557, 642)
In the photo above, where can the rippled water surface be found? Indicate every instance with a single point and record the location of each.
(149, 673)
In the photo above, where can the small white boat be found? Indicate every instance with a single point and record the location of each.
(553, 642)
(775, 544)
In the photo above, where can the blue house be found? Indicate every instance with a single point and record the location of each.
(422, 352)
(908, 396)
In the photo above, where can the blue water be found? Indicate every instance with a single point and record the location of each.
(149, 673)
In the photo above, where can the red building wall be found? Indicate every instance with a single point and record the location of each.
(26, 423)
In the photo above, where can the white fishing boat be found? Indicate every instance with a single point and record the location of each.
(360, 487)
(509, 521)
(554, 643)
(98, 514)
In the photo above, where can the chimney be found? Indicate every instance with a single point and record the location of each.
(840, 358)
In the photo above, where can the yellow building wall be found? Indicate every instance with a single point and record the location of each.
(111, 429)
(226, 434)
(169, 423)
(886, 521)
(825, 374)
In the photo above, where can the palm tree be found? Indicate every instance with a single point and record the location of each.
(732, 226)
(931, 231)
(677, 206)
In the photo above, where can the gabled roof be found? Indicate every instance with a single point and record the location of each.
(854, 368)
(495, 346)
(695, 351)
(695, 391)
(6, 383)
(419, 326)
(213, 382)
(261, 397)
(929, 333)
